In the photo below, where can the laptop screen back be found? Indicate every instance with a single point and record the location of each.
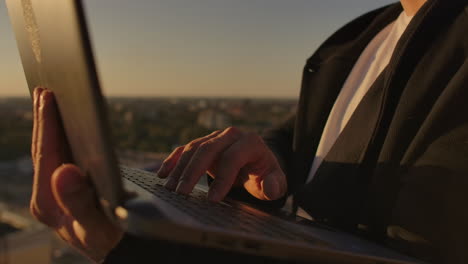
(56, 54)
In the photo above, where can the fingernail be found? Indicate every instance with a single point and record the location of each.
(37, 91)
(42, 99)
(37, 97)
(47, 95)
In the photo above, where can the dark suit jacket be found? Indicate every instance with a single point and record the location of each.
(399, 170)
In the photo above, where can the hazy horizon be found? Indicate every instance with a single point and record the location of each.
(233, 97)
(199, 48)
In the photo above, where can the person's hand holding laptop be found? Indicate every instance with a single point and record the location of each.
(62, 197)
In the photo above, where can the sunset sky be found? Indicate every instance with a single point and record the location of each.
(246, 48)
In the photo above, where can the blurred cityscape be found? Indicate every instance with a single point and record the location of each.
(144, 132)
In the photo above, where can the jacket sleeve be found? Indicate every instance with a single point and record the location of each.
(432, 201)
(280, 140)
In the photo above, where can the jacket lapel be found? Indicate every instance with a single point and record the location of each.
(323, 78)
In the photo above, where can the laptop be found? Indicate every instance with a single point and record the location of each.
(56, 53)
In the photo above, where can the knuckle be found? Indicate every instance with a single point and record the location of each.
(205, 147)
(190, 147)
(185, 156)
(254, 137)
(216, 132)
(180, 148)
(233, 131)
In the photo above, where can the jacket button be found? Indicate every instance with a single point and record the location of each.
(312, 69)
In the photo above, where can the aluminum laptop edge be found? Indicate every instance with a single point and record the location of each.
(56, 53)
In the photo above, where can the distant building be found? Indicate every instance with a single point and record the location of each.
(236, 110)
(28, 115)
(202, 104)
(118, 107)
(128, 117)
(22, 164)
(213, 119)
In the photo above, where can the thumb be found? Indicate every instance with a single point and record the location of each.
(273, 185)
(74, 194)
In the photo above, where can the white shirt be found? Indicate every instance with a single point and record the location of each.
(368, 67)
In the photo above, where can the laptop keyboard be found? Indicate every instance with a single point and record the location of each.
(216, 214)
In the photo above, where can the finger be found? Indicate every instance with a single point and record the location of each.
(47, 158)
(271, 186)
(185, 156)
(170, 162)
(205, 157)
(76, 197)
(36, 95)
(245, 151)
